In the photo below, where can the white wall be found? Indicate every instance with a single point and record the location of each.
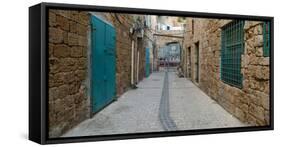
(14, 73)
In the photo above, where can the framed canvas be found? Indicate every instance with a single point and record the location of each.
(103, 73)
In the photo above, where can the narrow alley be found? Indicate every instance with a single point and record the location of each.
(116, 73)
(139, 110)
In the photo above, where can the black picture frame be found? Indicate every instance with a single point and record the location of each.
(38, 69)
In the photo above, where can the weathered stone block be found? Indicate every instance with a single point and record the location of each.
(264, 61)
(51, 49)
(55, 35)
(74, 87)
(52, 115)
(81, 74)
(53, 94)
(53, 65)
(74, 15)
(250, 24)
(73, 27)
(58, 107)
(258, 41)
(245, 108)
(78, 98)
(65, 37)
(83, 18)
(85, 52)
(245, 61)
(259, 51)
(251, 120)
(254, 100)
(261, 122)
(267, 117)
(69, 103)
(240, 114)
(82, 41)
(69, 117)
(56, 79)
(258, 29)
(266, 87)
(82, 30)
(265, 101)
(67, 64)
(63, 91)
(62, 22)
(249, 46)
(69, 77)
(249, 34)
(76, 51)
(72, 39)
(64, 13)
(262, 73)
(52, 19)
(257, 111)
(82, 63)
(61, 50)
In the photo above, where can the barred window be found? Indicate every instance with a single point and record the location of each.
(266, 38)
(232, 46)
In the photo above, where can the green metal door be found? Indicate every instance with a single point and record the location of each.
(103, 63)
(147, 62)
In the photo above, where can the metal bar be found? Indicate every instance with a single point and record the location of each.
(232, 48)
(173, 36)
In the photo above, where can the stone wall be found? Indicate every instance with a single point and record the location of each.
(251, 102)
(122, 24)
(161, 41)
(68, 45)
(69, 64)
(123, 51)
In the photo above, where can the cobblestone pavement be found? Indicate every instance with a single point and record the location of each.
(139, 110)
(191, 108)
(135, 111)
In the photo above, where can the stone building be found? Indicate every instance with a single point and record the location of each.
(165, 38)
(71, 63)
(229, 61)
(168, 32)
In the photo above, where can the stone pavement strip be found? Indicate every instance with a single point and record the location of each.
(184, 107)
(164, 110)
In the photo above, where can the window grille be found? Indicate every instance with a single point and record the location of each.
(266, 38)
(232, 46)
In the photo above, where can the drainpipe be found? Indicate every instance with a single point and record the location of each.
(132, 64)
(138, 61)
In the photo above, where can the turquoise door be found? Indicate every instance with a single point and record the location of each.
(147, 62)
(103, 63)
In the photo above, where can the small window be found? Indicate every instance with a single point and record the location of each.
(232, 46)
(266, 38)
(168, 27)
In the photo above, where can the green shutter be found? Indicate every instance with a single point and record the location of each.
(266, 38)
(232, 46)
